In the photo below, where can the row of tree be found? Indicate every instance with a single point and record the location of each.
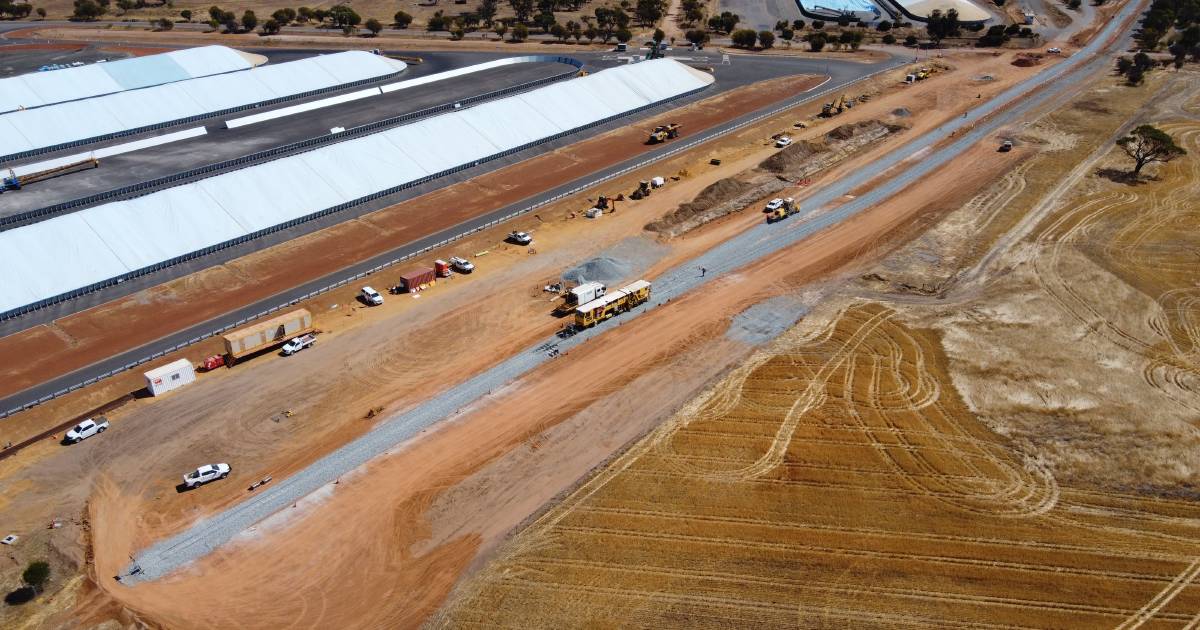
(16, 11)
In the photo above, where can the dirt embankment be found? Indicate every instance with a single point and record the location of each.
(797, 162)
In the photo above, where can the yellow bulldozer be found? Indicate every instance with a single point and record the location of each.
(662, 133)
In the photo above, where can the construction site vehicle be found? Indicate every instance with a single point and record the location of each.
(778, 203)
(784, 211)
(910, 78)
(14, 182)
(662, 133)
(298, 344)
(923, 74)
(612, 304)
(205, 474)
(1006, 146)
(461, 265)
(268, 334)
(782, 142)
(441, 268)
(85, 430)
(657, 182)
(834, 108)
(519, 238)
(417, 280)
(582, 294)
(213, 362)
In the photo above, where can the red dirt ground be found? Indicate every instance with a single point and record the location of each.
(89, 336)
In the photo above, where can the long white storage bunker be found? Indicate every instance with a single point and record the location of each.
(65, 124)
(171, 376)
(74, 253)
(38, 89)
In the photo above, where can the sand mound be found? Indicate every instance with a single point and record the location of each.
(790, 157)
(622, 261)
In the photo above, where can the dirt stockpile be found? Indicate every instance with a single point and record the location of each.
(802, 159)
(791, 158)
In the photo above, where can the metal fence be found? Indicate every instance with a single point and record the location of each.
(680, 148)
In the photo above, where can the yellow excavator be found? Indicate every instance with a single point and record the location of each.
(662, 133)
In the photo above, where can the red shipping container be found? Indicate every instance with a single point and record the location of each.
(413, 280)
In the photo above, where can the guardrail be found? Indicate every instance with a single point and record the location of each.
(680, 148)
(233, 164)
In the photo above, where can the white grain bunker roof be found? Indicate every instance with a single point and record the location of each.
(69, 84)
(76, 121)
(73, 253)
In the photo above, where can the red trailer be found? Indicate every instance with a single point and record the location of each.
(414, 280)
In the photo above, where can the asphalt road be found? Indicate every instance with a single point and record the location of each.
(761, 15)
(197, 541)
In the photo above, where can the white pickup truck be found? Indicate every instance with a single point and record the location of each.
(205, 474)
(298, 344)
(86, 429)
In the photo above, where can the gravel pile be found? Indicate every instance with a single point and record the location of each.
(767, 320)
(620, 262)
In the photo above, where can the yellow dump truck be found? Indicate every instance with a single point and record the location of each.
(662, 133)
(612, 304)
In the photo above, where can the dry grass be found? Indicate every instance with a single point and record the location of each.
(837, 479)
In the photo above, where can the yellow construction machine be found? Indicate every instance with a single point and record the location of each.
(662, 133)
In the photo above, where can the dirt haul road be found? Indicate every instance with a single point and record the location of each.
(673, 285)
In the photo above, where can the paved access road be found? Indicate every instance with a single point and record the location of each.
(195, 542)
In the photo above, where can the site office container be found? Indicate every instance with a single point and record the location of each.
(415, 279)
(271, 332)
(612, 304)
(170, 376)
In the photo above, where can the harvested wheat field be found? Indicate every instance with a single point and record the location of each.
(999, 437)
(838, 478)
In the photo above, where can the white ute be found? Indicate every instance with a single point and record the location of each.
(205, 474)
(86, 429)
(782, 142)
(298, 344)
(776, 204)
(371, 296)
(462, 265)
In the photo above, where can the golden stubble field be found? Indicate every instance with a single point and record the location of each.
(837, 478)
(1018, 449)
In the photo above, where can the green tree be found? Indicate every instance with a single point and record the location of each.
(787, 34)
(304, 14)
(41, 11)
(125, 5)
(817, 41)
(910, 41)
(164, 24)
(1147, 144)
(559, 31)
(342, 15)
(284, 16)
(884, 26)
(487, 11)
(270, 27)
(649, 12)
(889, 39)
(402, 19)
(797, 25)
(437, 22)
(87, 11)
(500, 28)
(766, 39)
(744, 38)
(249, 20)
(522, 8)
(520, 33)
(819, 24)
(374, 26)
(36, 575)
(696, 36)
(624, 35)
(545, 21)
(658, 36)
(186, 15)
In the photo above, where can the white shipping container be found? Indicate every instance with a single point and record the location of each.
(170, 376)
